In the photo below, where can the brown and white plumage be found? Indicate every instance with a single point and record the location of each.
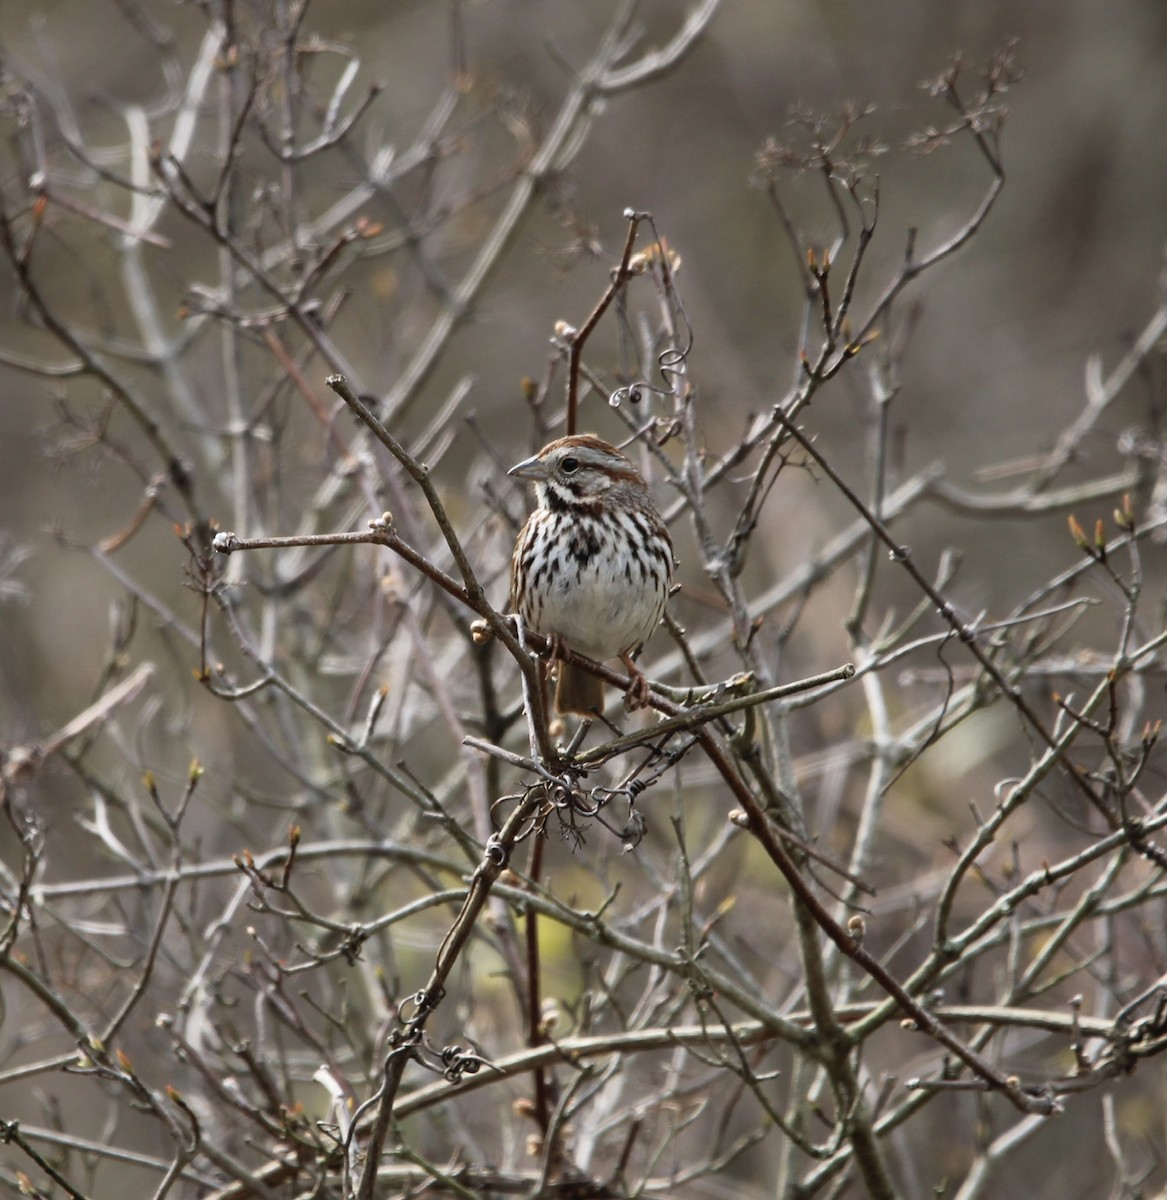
(593, 564)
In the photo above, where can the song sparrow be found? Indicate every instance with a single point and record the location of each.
(592, 566)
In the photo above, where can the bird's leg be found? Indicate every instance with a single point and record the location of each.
(637, 683)
(555, 647)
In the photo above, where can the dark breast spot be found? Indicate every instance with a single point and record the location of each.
(585, 543)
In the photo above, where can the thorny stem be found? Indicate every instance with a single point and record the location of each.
(404, 1040)
(577, 339)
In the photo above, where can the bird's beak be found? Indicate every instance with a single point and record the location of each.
(530, 468)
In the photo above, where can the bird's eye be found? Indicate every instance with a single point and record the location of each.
(569, 465)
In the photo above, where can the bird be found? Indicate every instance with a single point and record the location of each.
(593, 564)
